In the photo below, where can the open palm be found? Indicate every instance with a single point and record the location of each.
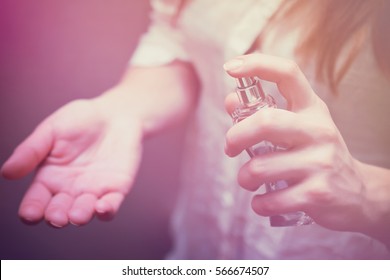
(85, 162)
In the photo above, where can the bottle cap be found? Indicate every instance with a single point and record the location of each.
(245, 82)
(249, 91)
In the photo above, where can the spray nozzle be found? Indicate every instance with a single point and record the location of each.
(249, 90)
(245, 82)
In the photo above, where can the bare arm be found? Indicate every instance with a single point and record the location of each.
(86, 154)
(160, 96)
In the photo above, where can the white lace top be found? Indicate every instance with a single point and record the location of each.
(213, 217)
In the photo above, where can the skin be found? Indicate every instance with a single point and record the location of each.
(87, 153)
(325, 180)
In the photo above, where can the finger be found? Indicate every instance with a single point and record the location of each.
(82, 209)
(285, 73)
(34, 203)
(277, 166)
(107, 206)
(29, 153)
(288, 200)
(231, 102)
(280, 127)
(57, 211)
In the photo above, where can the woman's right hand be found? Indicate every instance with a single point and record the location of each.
(86, 160)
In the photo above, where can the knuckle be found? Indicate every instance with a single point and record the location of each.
(257, 56)
(321, 161)
(319, 194)
(328, 134)
(322, 105)
(292, 69)
(34, 152)
(265, 119)
(328, 158)
(253, 168)
(256, 169)
(250, 176)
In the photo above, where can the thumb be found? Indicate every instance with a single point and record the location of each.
(290, 80)
(30, 153)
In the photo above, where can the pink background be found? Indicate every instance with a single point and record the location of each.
(52, 52)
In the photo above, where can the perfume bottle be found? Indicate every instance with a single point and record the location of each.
(252, 98)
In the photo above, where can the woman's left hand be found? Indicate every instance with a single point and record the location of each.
(325, 181)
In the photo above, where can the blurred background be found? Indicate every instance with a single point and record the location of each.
(52, 52)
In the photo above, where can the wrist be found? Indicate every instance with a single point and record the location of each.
(377, 197)
(113, 108)
(158, 103)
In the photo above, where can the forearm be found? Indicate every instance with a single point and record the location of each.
(159, 97)
(377, 183)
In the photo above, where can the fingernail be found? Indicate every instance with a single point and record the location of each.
(100, 210)
(56, 225)
(233, 64)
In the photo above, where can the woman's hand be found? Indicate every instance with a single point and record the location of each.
(85, 159)
(87, 154)
(325, 181)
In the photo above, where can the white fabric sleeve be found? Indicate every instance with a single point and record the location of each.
(163, 42)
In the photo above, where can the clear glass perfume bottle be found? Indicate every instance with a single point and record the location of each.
(252, 98)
